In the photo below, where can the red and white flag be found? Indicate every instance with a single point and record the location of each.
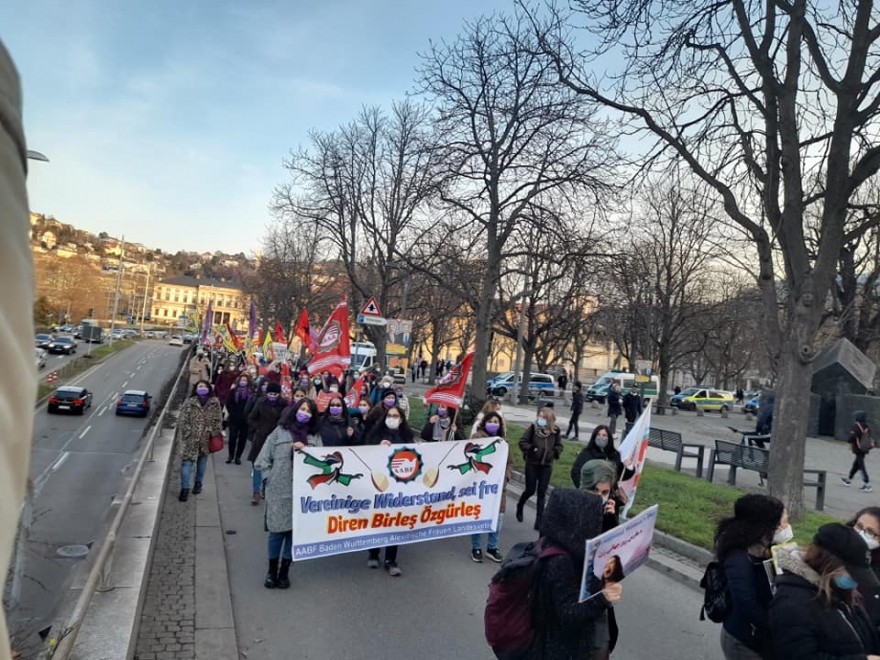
(353, 396)
(449, 390)
(332, 351)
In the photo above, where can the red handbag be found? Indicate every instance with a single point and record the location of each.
(215, 443)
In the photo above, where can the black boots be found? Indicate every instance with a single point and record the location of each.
(271, 577)
(197, 488)
(184, 494)
(283, 580)
(519, 512)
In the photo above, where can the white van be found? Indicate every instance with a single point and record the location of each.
(598, 391)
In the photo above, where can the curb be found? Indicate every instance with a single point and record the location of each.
(680, 570)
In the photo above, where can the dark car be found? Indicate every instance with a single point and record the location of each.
(753, 406)
(43, 340)
(134, 402)
(66, 345)
(70, 399)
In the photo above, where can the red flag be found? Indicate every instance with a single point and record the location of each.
(303, 331)
(233, 337)
(279, 333)
(353, 396)
(449, 390)
(332, 351)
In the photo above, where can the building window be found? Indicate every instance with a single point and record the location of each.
(165, 312)
(167, 293)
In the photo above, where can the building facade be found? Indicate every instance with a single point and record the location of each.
(176, 299)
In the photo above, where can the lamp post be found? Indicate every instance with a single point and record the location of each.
(146, 291)
(116, 293)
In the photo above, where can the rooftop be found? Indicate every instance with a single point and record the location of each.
(187, 280)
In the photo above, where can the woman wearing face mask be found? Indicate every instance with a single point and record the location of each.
(742, 544)
(391, 429)
(262, 420)
(236, 409)
(440, 428)
(297, 428)
(200, 418)
(491, 405)
(816, 611)
(541, 445)
(866, 523)
(335, 428)
(492, 426)
(224, 382)
(357, 416)
(600, 448)
(387, 400)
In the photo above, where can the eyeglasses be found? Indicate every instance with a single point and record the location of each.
(870, 533)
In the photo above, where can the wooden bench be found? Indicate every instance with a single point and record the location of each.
(737, 455)
(671, 441)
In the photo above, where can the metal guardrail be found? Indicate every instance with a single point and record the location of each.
(61, 646)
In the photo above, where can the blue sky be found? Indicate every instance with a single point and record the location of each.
(167, 121)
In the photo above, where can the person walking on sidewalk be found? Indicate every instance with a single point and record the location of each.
(577, 407)
(632, 408)
(860, 442)
(742, 544)
(492, 426)
(262, 420)
(601, 448)
(615, 406)
(297, 428)
(200, 418)
(541, 446)
(236, 409)
(391, 429)
(199, 368)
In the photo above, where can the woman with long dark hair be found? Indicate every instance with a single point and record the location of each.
(866, 523)
(297, 428)
(335, 427)
(742, 544)
(600, 448)
(200, 418)
(492, 426)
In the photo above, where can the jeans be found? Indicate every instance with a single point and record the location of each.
(492, 544)
(237, 438)
(280, 545)
(256, 479)
(390, 553)
(186, 470)
(859, 466)
(612, 423)
(537, 478)
(573, 424)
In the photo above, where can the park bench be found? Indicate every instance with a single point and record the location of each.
(738, 455)
(671, 441)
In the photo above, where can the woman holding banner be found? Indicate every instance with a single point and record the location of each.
(541, 446)
(391, 429)
(335, 427)
(492, 426)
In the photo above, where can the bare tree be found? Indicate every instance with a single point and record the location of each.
(757, 98)
(510, 137)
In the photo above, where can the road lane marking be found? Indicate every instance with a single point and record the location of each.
(58, 462)
(102, 411)
(124, 384)
(132, 374)
(83, 434)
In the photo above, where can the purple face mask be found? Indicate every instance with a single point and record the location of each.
(336, 411)
(202, 391)
(265, 387)
(304, 382)
(390, 403)
(302, 416)
(441, 412)
(272, 398)
(492, 427)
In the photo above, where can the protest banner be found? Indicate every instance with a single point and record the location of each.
(347, 499)
(280, 351)
(616, 554)
(633, 451)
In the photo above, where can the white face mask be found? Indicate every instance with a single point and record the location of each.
(392, 423)
(783, 535)
(873, 544)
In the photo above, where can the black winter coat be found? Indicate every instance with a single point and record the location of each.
(614, 403)
(577, 402)
(237, 408)
(262, 420)
(632, 406)
(541, 450)
(334, 432)
(564, 626)
(805, 626)
(592, 453)
(751, 596)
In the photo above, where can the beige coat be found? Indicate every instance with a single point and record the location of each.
(18, 390)
(199, 369)
(195, 424)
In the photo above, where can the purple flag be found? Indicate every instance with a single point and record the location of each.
(209, 323)
(252, 321)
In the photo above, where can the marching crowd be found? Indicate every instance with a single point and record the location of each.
(822, 601)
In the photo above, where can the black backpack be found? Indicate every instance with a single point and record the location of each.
(717, 602)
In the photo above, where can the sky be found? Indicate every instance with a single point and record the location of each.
(167, 121)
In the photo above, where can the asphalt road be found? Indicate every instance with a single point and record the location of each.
(337, 608)
(79, 466)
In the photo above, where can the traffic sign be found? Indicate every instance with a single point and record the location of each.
(371, 309)
(371, 320)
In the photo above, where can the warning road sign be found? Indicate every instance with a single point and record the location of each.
(371, 308)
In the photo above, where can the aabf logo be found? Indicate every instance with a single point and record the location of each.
(405, 465)
(330, 338)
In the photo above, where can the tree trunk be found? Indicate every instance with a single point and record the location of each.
(788, 447)
(436, 343)
(484, 318)
(664, 369)
(528, 356)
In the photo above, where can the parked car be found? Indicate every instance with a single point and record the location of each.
(134, 402)
(117, 335)
(43, 340)
(598, 391)
(752, 406)
(707, 399)
(503, 383)
(175, 340)
(70, 399)
(41, 358)
(63, 344)
(190, 337)
(676, 399)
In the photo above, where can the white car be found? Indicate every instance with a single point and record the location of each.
(41, 358)
(176, 340)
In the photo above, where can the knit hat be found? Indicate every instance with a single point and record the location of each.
(844, 543)
(597, 472)
(273, 388)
